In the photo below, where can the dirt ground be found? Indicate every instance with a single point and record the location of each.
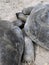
(8, 8)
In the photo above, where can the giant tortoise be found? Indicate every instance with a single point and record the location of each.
(37, 25)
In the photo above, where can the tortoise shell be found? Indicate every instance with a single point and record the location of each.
(37, 25)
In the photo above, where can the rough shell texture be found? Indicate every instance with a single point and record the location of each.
(11, 44)
(37, 25)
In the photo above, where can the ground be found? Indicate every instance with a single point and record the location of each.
(8, 8)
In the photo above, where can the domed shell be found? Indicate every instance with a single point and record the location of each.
(37, 25)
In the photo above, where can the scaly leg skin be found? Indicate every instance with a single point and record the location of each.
(29, 52)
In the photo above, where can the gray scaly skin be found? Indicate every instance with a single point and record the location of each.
(28, 56)
(29, 50)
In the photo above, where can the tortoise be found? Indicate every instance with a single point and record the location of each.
(11, 44)
(37, 25)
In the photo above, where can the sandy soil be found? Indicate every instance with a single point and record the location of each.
(8, 8)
